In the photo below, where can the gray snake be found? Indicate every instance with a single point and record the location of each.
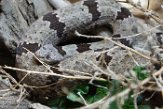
(56, 27)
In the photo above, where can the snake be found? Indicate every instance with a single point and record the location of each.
(60, 25)
(45, 36)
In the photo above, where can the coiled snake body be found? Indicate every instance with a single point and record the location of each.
(55, 27)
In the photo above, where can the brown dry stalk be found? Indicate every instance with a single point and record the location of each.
(52, 74)
(120, 45)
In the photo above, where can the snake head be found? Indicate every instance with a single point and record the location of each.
(49, 54)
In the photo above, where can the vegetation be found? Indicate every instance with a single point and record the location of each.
(90, 93)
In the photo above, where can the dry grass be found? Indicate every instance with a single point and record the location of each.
(155, 78)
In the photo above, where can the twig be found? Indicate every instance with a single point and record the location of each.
(106, 101)
(118, 44)
(12, 79)
(94, 105)
(97, 68)
(82, 98)
(138, 34)
(52, 74)
(43, 63)
(8, 75)
(135, 101)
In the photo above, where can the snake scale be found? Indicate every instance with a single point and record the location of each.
(56, 27)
